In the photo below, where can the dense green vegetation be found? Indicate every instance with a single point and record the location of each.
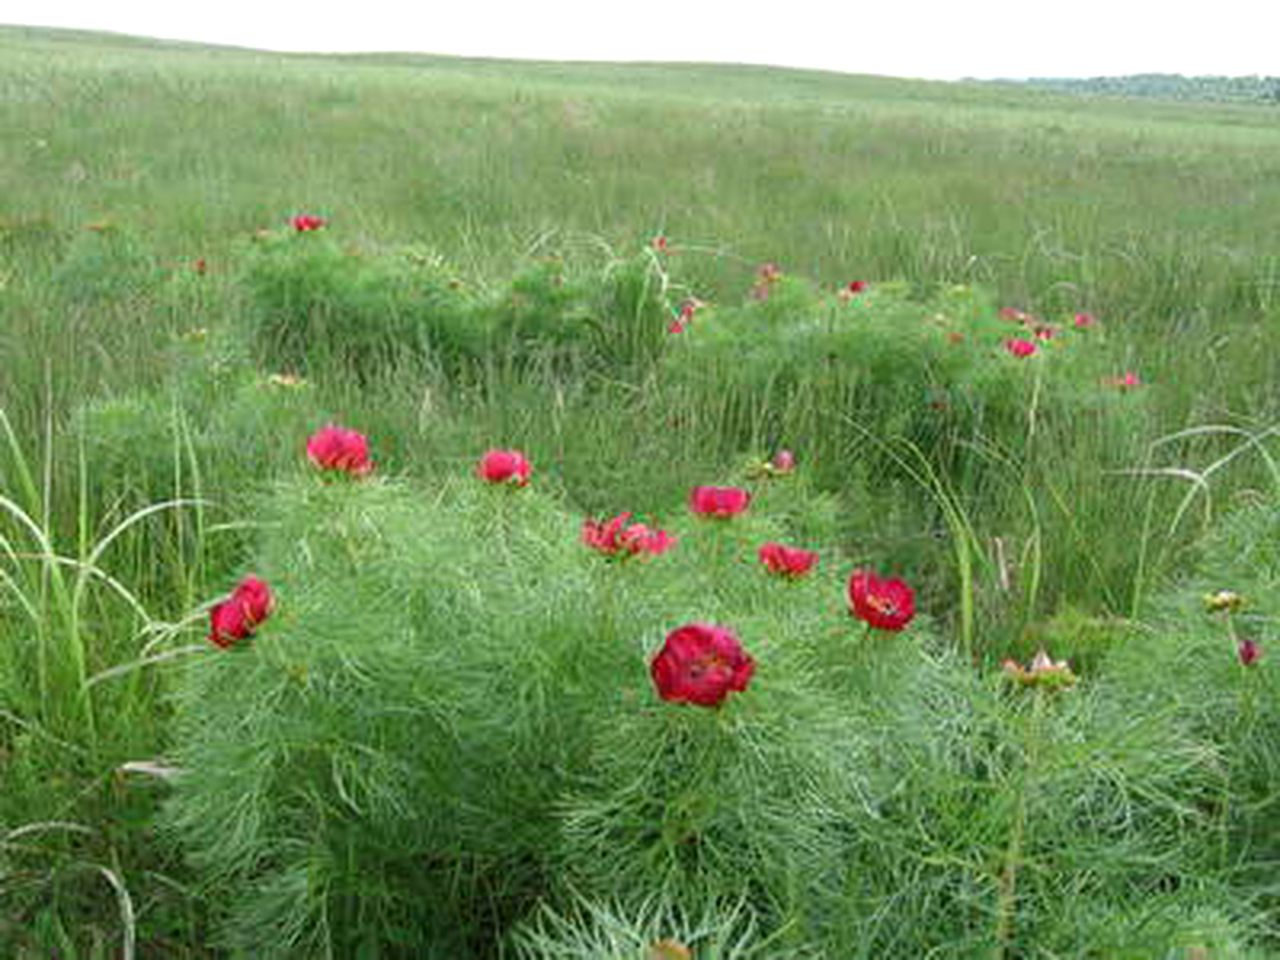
(1169, 86)
(445, 740)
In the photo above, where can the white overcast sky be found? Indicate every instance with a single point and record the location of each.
(942, 39)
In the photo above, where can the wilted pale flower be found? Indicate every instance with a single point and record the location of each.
(668, 949)
(1043, 672)
(286, 381)
(784, 461)
(1227, 601)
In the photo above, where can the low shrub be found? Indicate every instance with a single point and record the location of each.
(943, 371)
(444, 739)
(388, 760)
(314, 305)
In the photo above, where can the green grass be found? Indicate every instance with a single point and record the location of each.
(486, 281)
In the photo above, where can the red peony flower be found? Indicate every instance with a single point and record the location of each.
(660, 244)
(337, 448)
(505, 466)
(617, 538)
(784, 461)
(719, 501)
(255, 596)
(1019, 347)
(1249, 652)
(234, 618)
(701, 663)
(307, 222)
(767, 274)
(1127, 381)
(688, 308)
(884, 604)
(1083, 321)
(227, 624)
(852, 289)
(787, 561)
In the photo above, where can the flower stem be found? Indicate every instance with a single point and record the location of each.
(1007, 884)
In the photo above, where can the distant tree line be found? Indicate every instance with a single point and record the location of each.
(1169, 86)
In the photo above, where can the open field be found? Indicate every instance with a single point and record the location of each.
(445, 740)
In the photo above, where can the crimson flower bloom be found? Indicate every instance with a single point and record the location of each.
(307, 222)
(1249, 652)
(1083, 321)
(617, 538)
(883, 604)
(719, 502)
(852, 289)
(688, 308)
(1019, 347)
(701, 663)
(234, 618)
(505, 466)
(1127, 381)
(787, 561)
(767, 274)
(661, 244)
(337, 448)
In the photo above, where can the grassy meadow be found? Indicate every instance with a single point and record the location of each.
(445, 741)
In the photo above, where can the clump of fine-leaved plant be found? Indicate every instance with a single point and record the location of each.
(461, 716)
